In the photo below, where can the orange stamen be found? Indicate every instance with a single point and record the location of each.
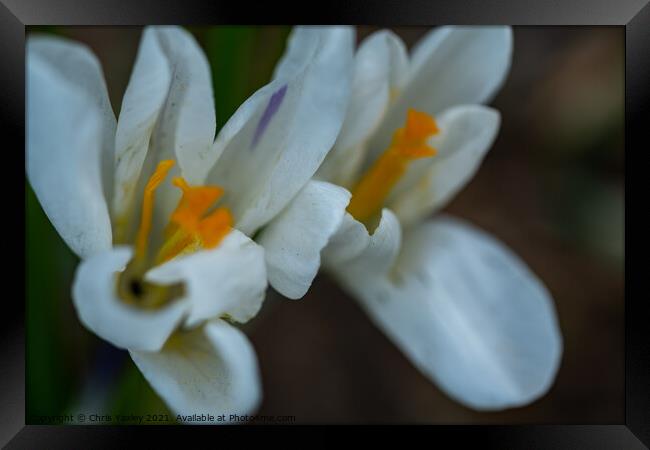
(188, 223)
(194, 203)
(215, 227)
(147, 206)
(409, 143)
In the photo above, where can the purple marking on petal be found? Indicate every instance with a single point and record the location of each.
(269, 112)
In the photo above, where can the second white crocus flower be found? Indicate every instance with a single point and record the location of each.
(161, 213)
(462, 307)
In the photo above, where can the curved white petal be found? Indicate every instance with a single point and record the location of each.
(276, 140)
(64, 141)
(211, 370)
(227, 280)
(469, 314)
(184, 131)
(479, 56)
(466, 134)
(450, 66)
(102, 311)
(349, 240)
(141, 106)
(380, 71)
(294, 239)
(77, 64)
(373, 253)
(187, 123)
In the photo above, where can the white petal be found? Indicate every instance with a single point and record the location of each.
(64, 140)
(350, 239)
(466, 134)
(276, 140)
(142, 104)
(469, 314)
(294, 239)
(184, 131)
(376, 256)
(229, 279)
(102, 311)
(78, 65)
(380, 70)
(479, 56)
(187, 123)
(327, 41)
(451, 66)
(209, 370)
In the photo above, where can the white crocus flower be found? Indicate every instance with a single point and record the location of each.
(168, 266)
(464, 309)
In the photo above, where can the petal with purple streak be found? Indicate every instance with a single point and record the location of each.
(269, 112)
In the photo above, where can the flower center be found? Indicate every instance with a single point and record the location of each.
(191, 226)
(409, 143)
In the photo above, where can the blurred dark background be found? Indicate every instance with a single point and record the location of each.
(551, 188)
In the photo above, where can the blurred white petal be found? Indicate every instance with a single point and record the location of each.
(380, 71)
(63, 158)
(95, 297)
(468, 313)
(379, 251)
(142, 104)
(276, 140)
(187, 123)
(450, 66)
(350, 239)
(209, 370)
(185, 129)
(466, 134)
(77, 64)
(228, 279)
(294, 239)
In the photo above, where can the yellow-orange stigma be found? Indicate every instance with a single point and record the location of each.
(409, 143)
(189, 227)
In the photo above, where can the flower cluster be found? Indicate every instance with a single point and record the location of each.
(337, 163)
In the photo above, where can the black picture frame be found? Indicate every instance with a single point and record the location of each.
(634, 15)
